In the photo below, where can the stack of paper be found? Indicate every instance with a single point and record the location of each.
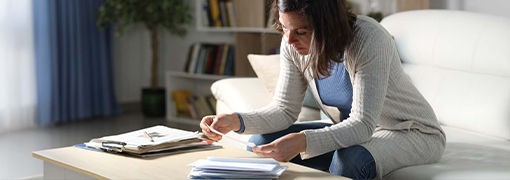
(236, 168)
(153, 141)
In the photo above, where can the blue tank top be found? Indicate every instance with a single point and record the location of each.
(336, 90)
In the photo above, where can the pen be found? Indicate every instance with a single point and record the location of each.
(150, 138)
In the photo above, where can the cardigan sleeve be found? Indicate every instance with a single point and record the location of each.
(286, 105)
(374, 51)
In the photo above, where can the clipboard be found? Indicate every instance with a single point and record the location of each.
(139, 141)
(111, 146)
(162, 140)
(154, 154)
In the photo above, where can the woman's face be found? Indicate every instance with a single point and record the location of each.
(296, 30)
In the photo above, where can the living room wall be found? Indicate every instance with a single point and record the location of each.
(494, 7)
(132, 56)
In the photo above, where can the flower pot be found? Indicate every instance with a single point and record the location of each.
(153, 102)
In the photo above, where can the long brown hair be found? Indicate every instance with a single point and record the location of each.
(332, 23)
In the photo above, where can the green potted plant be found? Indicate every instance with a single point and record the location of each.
(170, 14)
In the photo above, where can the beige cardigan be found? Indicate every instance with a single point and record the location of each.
(389, 116)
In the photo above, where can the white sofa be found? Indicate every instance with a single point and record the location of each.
(460, 62)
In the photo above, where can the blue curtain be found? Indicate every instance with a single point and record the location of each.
(73, 62)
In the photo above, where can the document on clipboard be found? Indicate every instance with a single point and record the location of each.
(153, 140)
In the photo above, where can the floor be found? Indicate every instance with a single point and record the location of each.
(16, 161)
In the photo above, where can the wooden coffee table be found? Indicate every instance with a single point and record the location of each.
(76, 163)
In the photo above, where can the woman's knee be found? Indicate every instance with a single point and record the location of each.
(354, 162)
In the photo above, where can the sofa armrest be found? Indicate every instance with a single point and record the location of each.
(239, 94)
(246, 94)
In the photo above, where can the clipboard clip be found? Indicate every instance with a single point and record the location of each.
(113, 146)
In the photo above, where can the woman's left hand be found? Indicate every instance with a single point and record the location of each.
(284, 148)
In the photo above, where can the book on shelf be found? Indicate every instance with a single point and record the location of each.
(215, 12)
(193, 107)
(218, 13)
(188, 57)
(197, 107)
(192, 56)
(205, 108)
(204, 13)
(216, 59)
(211, 59)
(229, 63)
(181, 104)
(192, 110)
(201, 59)
(226, 13)
(231, 13)
(208, 14)
(223, 13)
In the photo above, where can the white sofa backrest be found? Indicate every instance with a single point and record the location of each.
(460, 62)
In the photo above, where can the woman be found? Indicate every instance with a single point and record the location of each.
(381, 121)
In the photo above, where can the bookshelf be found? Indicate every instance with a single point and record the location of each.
(251, 37)
(251, 20)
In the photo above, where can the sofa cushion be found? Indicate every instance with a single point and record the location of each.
(460, 62)
(468, 155)
(240, 94)
(475, 102)
(464, 41)
(267, 68)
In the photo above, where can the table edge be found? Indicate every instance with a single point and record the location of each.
(67, 166)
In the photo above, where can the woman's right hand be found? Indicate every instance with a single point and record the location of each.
(224, 123)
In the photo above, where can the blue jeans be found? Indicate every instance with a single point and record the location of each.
(353, 162)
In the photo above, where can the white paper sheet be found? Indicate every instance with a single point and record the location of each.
(250, 144)
(276, 172)
(197, 173)
(236, 168)
(244, 160)
(206, 164)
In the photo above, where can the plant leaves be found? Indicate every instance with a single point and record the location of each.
(171, 14)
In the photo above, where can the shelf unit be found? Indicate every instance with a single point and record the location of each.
(252, 37)
(251, 33)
